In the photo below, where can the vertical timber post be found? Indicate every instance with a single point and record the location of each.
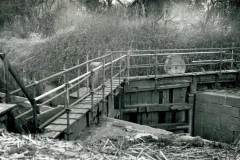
(111, 104)
(111, 74)
(78, 74)
(232, 56)
(67, 109)
(6, 79)
(128, 65)
(120, 103)
(92, 93)
(87, 70)
(120, 88)
(156, 68)
(35, 108)
(191, 101)
(88, 86)
(120, 68)
(103, 87)
(221, 60)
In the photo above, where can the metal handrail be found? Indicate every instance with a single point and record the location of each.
(187, 53)
(61, 73)
(164, 50)
(123, 57)
(22, 87)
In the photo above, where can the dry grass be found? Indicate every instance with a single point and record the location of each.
(140, 146)
(79, 33)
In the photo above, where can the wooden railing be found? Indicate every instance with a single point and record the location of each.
(117, 64)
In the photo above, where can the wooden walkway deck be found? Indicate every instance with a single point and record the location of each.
(78, 111)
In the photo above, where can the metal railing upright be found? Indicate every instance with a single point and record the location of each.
(119, 64)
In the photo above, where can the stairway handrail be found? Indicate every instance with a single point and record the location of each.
(22, 87)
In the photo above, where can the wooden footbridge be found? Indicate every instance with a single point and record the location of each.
(132, 85)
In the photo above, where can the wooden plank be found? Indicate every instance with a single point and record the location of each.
(55, 127)
(171, 126)
(83, 106)
(79, 110)
(47, 114)
(134, 98)
(171, 81)
(61, 121)
(165, 100)
(154, 117)
(82, 91)
(163, 87)
(6, 107)
(146, 108)
(127, 99)
(172, 106)
(155, 98)
(179, 96)
(132, 78)
(51, 134)
(146, 118)
(71, 116)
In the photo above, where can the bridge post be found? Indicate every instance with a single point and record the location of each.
(111, 74)
(67, 109)
(156, 68)
(191, 101)
(35, 123)
(103, 87)
(92, 94)
(120, 68)
(232, 56)
(87, 68)
(78, 74)
(6, 79)
(221, 60)
(111, 97)
(128, 65)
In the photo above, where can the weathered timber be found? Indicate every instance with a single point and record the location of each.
(179, 96)
(171, 126)
(4, 108)
(157, 108)
(47, 114)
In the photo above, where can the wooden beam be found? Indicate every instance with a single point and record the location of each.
(156, 107)
(134, 78)
(161, 87)
(171, 126)
(172, 105)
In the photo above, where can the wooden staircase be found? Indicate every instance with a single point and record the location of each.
(81, 114)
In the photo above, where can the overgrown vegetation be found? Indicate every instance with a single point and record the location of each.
(62, 31)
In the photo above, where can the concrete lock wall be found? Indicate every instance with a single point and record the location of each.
(217, 116)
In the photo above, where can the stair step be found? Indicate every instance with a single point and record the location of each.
(56, 127)
(4, 108)
(79, 110)
(71, 116)
(52, 134)
(83, 106)
(61, 121)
